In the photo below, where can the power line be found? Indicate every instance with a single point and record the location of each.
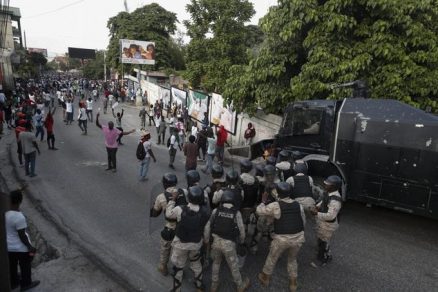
(55, 10)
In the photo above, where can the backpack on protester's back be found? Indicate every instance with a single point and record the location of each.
(141, 152)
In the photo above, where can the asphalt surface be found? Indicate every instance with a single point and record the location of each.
(107, 214)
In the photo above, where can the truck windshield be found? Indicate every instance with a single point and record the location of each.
(303, 121)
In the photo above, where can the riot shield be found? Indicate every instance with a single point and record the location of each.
(156, 224)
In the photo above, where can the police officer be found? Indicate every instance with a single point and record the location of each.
(217, 173)
(264, 223)
(169, 181)
(326, 214)
(302, 185)
(271, 160)
(284, 166)
(289, 220)
(227, 230)
(193, 178)
(188, 239)
(250, 187)
(232, 183)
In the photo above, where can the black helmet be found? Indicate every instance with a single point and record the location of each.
(232, 177)
(300, 167)
(271, 160)
(192, 177)
(283, 155)
(227, 197)
(284, 190)
(259, 170)
(196, 195)
(217, 171)
(169, 180)
(245, 165)
(269, 170)
(334, 181)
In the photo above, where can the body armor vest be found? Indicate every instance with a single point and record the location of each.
(180, 201)
(326, 201)
(250, 195)
(191, 226)
(290, 221)
(224, 223)
(302, 186)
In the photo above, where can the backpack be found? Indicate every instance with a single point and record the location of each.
(141, 152)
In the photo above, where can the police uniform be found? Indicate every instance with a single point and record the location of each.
(168, 233)
(187, 242)
(250, 187)
(226, 228)
(327, 223)
(210, 190)
(285, 170)
(303, 190)
(288, 235)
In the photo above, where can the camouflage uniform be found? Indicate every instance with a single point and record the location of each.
(282, 242)
(183, 251)
(165, 244)
(227, 248)
(327, 224)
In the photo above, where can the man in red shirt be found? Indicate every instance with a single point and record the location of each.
(48, 123)
(222, 136)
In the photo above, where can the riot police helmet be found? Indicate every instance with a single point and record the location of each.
(259, 170)
(232, 177)
(284, 155)
(217, 171)
(333, 182)
(271, 160)
(245, 165)
(192, 177)
(196, 195)
(169, 180)
(284, 190)
(227, 197)
(301, 167)
(269, 170)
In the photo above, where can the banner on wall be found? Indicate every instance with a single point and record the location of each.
(222, 114)
(197, 104)
(152, 91)
(179, 96)
(164, 94)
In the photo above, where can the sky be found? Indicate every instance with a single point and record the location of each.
(56, 25)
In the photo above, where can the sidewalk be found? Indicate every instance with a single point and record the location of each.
(59, 264)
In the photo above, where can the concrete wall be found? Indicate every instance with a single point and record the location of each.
(266, 126)
(5, 54)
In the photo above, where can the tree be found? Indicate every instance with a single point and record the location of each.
(148, 23)
(311, 44)
(93, 69)
(217, 32)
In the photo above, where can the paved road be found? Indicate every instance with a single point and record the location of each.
(375, 249)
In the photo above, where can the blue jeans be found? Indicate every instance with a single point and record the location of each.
(209, 166)
(29, 161)
(144, 167)
(39, 129)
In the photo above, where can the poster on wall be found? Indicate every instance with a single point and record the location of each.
(152, 91)
(179, 96)
(164, 94)
(197, 104)
(137, 52)
(222, 114)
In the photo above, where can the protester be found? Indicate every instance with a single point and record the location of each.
(20, 249)
(211, 150)
(82, 119)
(30, 147)
(38, 121)
(69, 110)
(90, 109)
(173, 145)
(162, 130)
(222, 136)
(142, 115)
(48, 123)
(201, 141)
(191, 153)
(111, 135)
(118, 118)
(144, 166)
(249, 134)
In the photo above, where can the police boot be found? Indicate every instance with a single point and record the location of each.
(321, 250)
(264, 279)
(293, 285)
(214, 286)
(163, 270)
(245, 285)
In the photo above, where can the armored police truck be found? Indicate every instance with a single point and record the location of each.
(385, 151)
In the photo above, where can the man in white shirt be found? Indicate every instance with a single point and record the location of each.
(69, 111)
(144, 166)
(90, 109)
(83, 120)
(172, 147)
(20, 249)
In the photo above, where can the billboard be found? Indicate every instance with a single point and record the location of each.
(137, 52)
(197, 104)
(79, 53)
(222, 114)
(38, 50)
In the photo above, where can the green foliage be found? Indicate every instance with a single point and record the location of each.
(311, 44)
(31, 64)
(217, 32)
(94, 68)
(148, 23)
